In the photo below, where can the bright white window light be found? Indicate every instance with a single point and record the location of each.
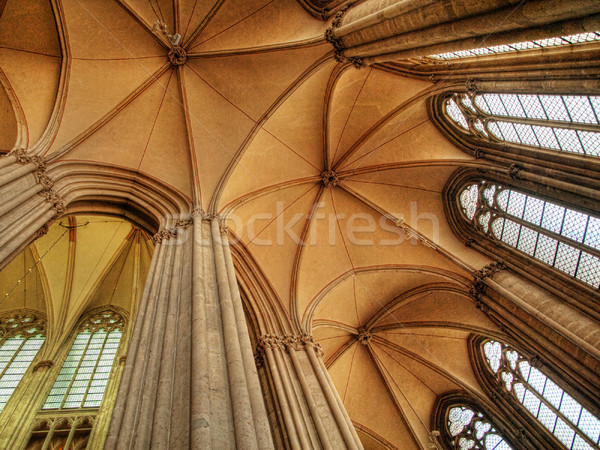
(520, 46)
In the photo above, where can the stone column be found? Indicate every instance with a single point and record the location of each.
(187, 381)
(29, 202)
(376, 31)
(313, 413)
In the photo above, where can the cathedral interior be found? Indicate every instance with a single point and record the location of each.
(300, 224)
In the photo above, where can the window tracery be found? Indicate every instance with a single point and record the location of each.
(21, 337)
(470, 429)
(563, 123)
(85, 372)
(559, 236)
(572, 424)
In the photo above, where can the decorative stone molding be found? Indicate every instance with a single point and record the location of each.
(513, 171)
(24, 324)
(536, 362)
(163, 234)
(364, 336)
(56, 200)
(223, 228)
(472, 86)
(107, 319)
(469, 243)
(43, 365)
(42, 231)
(336, 42)
(490, 269)
(477, 290)
(177, 56)
(329, 178)
(184, 223)
(122, 360)
(24, 158)
(479, 153)
(288, 342)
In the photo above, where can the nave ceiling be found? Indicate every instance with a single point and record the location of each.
(246, 128)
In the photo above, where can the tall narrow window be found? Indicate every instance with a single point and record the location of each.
(573, 425)
(564, 123)
(84, 375)
(520, 46)
(470, 429)
(556, 235)
(21, 337)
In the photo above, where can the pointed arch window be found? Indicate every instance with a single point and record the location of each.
(470, 429)
(557, 235)
(21, 337)
(572, 424)
(563, 123)
(85, 373)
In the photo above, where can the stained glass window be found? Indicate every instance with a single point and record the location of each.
(22, 336)
(84, 374)
(520, 46)
(573, 425)
(559, 236)
(564, 123)
(470, 429)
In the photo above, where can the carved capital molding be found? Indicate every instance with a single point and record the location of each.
(479, 153)
(24, 158)
(338, 44)
(184, 223)
(472, 86)
(477, 290)
(58, 205)
(43, 365)
(122, 360)
(513, 171)
(42, 231)
(223, 228)
(288, 342)
(490, 269)
(163, 234)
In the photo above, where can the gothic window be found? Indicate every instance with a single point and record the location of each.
(557, 235)
(21, 336)
(563, 123)
(520, 46)
(573, 425)
(84, 374)
(470, 429)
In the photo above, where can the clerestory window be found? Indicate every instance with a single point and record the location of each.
(554, 234)
(21, 337)
(521, 46)
(564, 123)
(85, 373)
(470, 429)
(573, 425)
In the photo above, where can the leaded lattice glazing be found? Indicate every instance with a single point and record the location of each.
(84, 374)
(521, 46)
(553, 234)
(565, 123)
(472, 430)
(574, 426)
(21, 337)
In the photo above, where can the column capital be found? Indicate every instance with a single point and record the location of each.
(288, 342)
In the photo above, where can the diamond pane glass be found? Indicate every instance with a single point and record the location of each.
(556, 410)
(16, 355)
(520, 46)
(84, 375)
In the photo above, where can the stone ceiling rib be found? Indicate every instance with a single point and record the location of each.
(312, 42)
(131, 11)
(298, 259)
(189, 43)
(196, 185)
(380, 368)
(259, 124)
(59, 153)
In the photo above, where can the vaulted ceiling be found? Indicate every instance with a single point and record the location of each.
(247, 127)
